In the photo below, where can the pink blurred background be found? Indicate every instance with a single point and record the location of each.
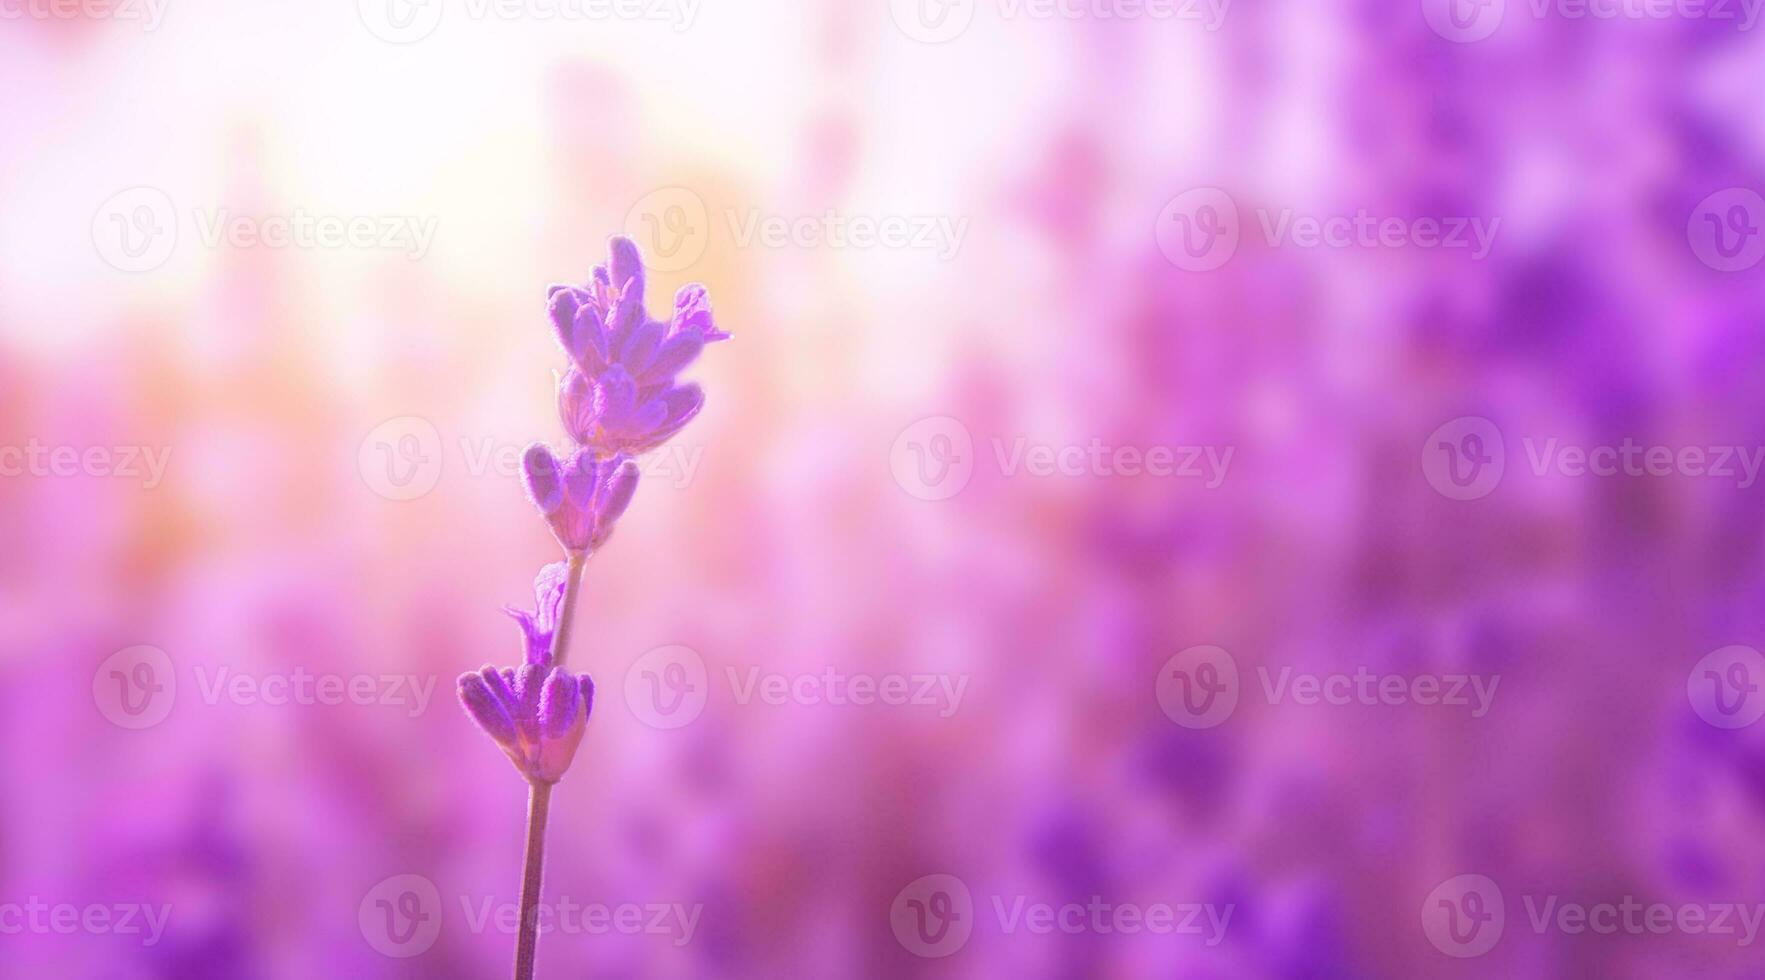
(272, 334)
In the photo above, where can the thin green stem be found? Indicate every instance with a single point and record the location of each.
(539, 803)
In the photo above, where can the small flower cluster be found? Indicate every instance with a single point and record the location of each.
(620, 396)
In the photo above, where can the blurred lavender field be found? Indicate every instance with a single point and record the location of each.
(1200, 488)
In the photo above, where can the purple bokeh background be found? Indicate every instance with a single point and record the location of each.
(984, 260)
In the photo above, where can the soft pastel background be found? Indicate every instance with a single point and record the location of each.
(284, 382)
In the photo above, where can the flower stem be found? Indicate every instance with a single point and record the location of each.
(539, 797)
(539, 802)
(566, 616)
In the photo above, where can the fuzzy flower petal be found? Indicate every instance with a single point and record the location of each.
(538, 722)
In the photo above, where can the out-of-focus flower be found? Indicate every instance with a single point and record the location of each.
(538, 626)
(536, 715)
(581, 495)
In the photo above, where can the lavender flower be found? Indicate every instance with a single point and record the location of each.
(613, 414)
(536, 714)
(619, 396)
(538, 626)
(581, 496)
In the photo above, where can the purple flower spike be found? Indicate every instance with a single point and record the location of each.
(581, 496)
(538, 627)
(616, 415)
(621, 394)
(538, 722)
